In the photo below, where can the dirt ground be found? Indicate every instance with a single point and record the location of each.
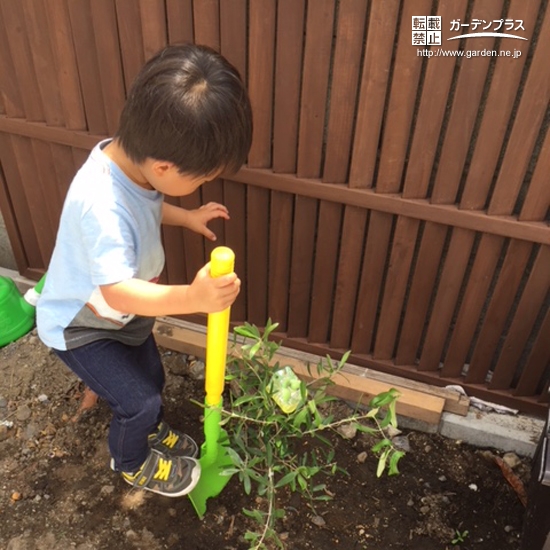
(58, 493)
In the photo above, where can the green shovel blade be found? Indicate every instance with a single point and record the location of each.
(214, 460)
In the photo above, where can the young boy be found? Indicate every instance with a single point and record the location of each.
(187, 120)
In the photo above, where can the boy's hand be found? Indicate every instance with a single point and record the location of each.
(213, 294)
(198, 219)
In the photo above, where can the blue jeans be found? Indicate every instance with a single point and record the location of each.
(130, 379)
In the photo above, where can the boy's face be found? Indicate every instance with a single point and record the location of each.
(165, 178)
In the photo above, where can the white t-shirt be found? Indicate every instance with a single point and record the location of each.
(109, 232)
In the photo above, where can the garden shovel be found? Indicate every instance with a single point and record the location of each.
(214, 457)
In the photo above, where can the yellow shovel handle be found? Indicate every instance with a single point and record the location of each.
(222, 262)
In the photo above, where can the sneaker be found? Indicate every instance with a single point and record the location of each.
(172, 443)
(169, 476)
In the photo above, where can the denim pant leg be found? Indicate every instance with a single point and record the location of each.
(130, 379)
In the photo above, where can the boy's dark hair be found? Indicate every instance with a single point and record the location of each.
(188, 106)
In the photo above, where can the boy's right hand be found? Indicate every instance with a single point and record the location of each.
(213, 294)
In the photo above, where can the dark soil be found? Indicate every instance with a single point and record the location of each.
(58, 492)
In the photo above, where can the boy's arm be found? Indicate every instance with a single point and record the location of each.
(196, 220)
(204, 295)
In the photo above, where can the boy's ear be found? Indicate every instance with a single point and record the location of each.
(161, 167)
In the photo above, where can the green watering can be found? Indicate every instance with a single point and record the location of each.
(17, 313)
(214, 457)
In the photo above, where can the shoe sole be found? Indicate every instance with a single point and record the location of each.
(195, 476)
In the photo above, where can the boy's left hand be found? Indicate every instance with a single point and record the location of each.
(199, 218)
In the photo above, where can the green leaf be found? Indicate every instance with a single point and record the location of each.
(382, 462)
(394, 460)
(381, 445)
(287, 479)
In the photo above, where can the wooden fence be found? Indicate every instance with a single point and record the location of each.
(393, 203)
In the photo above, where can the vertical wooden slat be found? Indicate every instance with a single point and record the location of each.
(257, 239)
(471, 307)
(531, 111)
(301, 269)
(497, 312)
(59, 25)
(9, 91)
(179, 15)
(64, 168)
(131, 38)
(88, 63)
(318, 47)
(233, 33)
(206, 18)
(16, 32)
(345, 77)
(153, 25)
(498, 108)
(422, 286)
(406, 75)
(193, 243)
(537, 362)
(347, 280)
(431, 111)
(280, 247)
(395, 286)
(467, 97)
(110, 66)
(372, 275)
(43, 60)
(235, 236)
(537, 199)
(288, 69)
(446, 297)
(212, 191)
(324, 272)
(376, 70)
(260, 79)
(525, 316)
(175, 270)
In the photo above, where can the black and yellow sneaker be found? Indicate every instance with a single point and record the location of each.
(172, 443)
(169, 476)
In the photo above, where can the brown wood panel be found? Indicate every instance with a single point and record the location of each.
(372, 96)
(66, 65)
(131, 38)
(446, 298)
(471, 307)
(537, 362)
(420, 295)
(280, 247)
(257, 240)
(79, 157)
(64, 169)
(16, 31)
(206, 19)
(372, 276)
(317, 55)
(498, 108)
(502, 300)
(179, 17)
(34, 197)
(345, 77)
(432, 108)
(43, 60)
(406, 75)
(86, 54)
(235, 237)
(288, 73)
(532, 298)
(12, 103)
(348, 275)
(396, 281)
(531, 111)
(233, 33)
(301, 269)
(464, 110)
(324, 271)
(537, 200)
(110, 65)
(153, 26)
(175, 269)
(261, 53)
(193, 243)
